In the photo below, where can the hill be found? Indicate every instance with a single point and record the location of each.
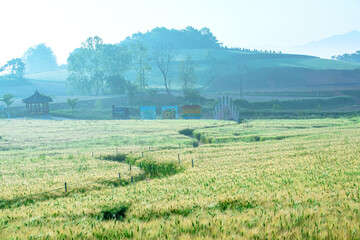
(334, 45)
(222, 70)
(281, 72)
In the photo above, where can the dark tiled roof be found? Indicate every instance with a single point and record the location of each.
(37, 98)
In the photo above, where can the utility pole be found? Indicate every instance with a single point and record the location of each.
(241, 95)
(318, 86)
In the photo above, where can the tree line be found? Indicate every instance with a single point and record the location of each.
(353, 57)
(39, 58)
(99, 68)
(187, 38)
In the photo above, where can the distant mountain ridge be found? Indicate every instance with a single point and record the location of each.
(328, 47)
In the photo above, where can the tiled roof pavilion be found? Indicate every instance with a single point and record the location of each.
(37, 104)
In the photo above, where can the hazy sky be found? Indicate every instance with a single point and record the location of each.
(64, 24)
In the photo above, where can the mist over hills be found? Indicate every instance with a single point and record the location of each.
(328, 47)
(223, 70)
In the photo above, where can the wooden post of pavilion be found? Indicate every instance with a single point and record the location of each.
(37, 105)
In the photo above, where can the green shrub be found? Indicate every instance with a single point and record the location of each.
(209, 140)
(159, 169)
(120, 157)
(116, 212)
(98, 104)
(300, 104)
(197, 136)
(187, 132)
(234, 204)
(251, 139)
(150, 167)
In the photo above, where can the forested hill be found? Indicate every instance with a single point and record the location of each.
(130, 66)
(188, 38)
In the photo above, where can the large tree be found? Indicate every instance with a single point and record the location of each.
(93, 48)
(95, 66)
(163, 56)
(79, 77)
(116, 60)
(14, 68)
(85, 66)
(187, 75)
(40, 58)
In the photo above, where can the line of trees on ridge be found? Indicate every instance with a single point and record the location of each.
(99, 68)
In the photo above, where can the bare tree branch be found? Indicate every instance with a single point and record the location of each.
(163, 56)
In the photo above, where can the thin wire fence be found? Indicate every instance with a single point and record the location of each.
(101, 156)
(66, 186)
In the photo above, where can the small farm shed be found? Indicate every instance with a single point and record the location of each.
(37, 104)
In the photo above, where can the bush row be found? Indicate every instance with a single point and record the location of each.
(296, 104)
(151, 168)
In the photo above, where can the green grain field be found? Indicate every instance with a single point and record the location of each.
(261, 179)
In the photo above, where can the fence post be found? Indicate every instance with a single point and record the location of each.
(119, 175)
(65, 187)
(192, 162)
(132, 179)
(92, 154)
(130, 166)
(142, 154)
(179, 157)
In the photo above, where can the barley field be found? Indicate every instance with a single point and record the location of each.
(292, 179)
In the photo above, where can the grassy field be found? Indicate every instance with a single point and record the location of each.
(261, 179)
